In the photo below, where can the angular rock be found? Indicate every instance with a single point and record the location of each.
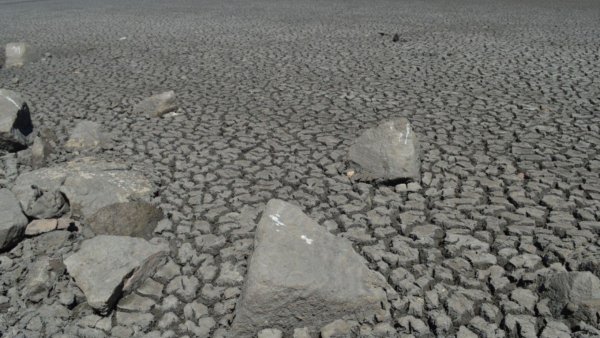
(157, 105)
(12, 220)
(16, 128)
(575, 287)
(107, 266)
(300, 275)
(86, 135)
(137, 219)
(88, 184)
(388, 152)
(18, 54)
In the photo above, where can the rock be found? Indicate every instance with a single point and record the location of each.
(270, 333)
(89, 184)
(44, 144)
(338, 328)
(388, 152)
(300, 275)
(40, 226)
(18, 54)
(86, 135)
(38, 281)
(575, 287)
(16, 128)
(12, 220)
(301, 333)
(157, 105)
(137, 219)
(106, 266)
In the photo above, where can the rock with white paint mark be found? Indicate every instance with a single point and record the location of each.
(157, 105)
(107, 266)
(388, 152)
(16, 129)
(19, 53)
(300, 275)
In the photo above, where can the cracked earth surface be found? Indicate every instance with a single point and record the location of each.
(505, 98)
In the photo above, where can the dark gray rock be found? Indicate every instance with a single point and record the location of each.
(107, 266)
(387, 152)
(44, 144)
(575, 287)
(157, 105)
(16, 128)
(300, 275)
(137, 219)
(86, 135)
(12, 220)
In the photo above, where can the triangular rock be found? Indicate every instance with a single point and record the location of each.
(300, 275)
(388, 152)
(106, 266)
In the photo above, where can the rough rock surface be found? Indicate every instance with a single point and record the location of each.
(575, 288)
(12, 220)
(16, 127)
(86, 135)
(106, 266)
(157, 105)
(88, 184)
(18, 54)
(137, 219)
(301, 275)
(388, 152)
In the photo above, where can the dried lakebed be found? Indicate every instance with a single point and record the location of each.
(499, 237)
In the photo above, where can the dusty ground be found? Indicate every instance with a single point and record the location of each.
(505, 97)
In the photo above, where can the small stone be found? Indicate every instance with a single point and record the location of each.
(39, 226)
(338, 329)
(387, 152)
(301, 333)
(86, 135)
(19, 54)
(157, 105)
(270, 333)
(137, 219)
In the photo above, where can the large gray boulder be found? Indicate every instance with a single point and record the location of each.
(157, 105)
(86, 135)
(388, 152)
(300, 275)
(15, 121)
(18, 54)
(105, 267)
(88, 184)
(12, 220)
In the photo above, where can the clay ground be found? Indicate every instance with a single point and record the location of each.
(504, 95)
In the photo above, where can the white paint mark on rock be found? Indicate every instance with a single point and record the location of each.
(275, 219)
(306, 239)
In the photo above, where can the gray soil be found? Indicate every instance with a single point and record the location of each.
(504, 95)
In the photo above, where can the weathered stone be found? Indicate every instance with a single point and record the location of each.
(300, 275)
(137, 219)
(16, 129)
(39, 226)
(106, 266)
(270, 333)
(12, 220)
(43, 145)
(157, 105)
(86, 135)
(18, 54)
(89, 184)
(387, 152)
(576, 288)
